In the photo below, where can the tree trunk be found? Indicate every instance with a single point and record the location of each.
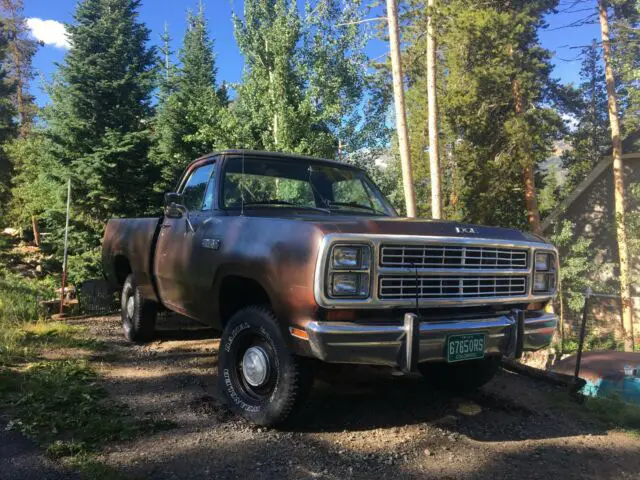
(618, 182)
(36, 230)
(530, 195)
(23, 109)
(401, 115)
(434, 143)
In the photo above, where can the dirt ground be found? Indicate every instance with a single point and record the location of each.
(359, 423)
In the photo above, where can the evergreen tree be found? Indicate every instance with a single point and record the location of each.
(591, 139)
(190, 114)
(625, 28)
(98, 124)
(101, 108)
(7, 124)
(494, 120)
(21, 48)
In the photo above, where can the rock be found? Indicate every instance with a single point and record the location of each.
(428, 452)
(469, 408)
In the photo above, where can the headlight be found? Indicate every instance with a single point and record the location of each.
(544, 272)
(542, 282)
(348, 274)
(350, 257)
(350, 285)
(543, 262)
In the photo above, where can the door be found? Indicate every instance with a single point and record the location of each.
(180, 241)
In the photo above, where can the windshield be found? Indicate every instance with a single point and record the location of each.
(264, 182)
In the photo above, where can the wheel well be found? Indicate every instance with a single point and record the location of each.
(237, 292)
(121, 268)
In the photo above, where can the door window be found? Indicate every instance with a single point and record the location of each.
(194, 190)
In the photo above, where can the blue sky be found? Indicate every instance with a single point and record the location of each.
(229, 61)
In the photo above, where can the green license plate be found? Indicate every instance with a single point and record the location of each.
(465, 347)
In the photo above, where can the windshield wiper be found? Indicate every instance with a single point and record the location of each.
(356, 205)
(287, 204)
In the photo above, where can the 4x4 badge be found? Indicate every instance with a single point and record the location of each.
(466, 230)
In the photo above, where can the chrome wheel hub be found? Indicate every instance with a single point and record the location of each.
(255, 366)
(131, 305)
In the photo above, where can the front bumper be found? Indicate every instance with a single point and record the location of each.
(419, 340)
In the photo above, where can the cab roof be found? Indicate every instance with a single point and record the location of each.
(280, 155)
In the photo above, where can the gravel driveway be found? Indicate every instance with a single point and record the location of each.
(360, 423)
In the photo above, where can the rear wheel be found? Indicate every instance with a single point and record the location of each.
(462, 377)
(138, 314)
(259, 375)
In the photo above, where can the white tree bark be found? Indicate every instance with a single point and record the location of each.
(434, 140)
(401, 115)
(618, 184)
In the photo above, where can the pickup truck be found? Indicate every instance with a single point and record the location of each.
(298, 260)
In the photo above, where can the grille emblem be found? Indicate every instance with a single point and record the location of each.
(466, 230)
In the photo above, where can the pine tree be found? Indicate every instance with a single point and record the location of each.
(190, 113)
(491, 130)
(98, 121)
(625, 58)
(7, 124)
(590, 139)
(21, 48)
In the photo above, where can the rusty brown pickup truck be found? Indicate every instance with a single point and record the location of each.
(299, 260)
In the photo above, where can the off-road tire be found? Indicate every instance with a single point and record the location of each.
(462, 377)
(138, 323)
(290, 377)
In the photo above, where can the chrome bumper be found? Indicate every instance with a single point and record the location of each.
(418, 340)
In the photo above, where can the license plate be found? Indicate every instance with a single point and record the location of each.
(465, 347)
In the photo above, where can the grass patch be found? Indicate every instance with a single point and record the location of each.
(62, 405)
(610, 411)
(24, 342)
(92, 469)
(614, 412)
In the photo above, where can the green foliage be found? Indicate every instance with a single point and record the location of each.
(191, 114)
(489, 52)
(614, 412)
(625, 29)
(7, 123)
(591, 137)
(37, 189)
(305, 88)
(578, 268)
(54, 399)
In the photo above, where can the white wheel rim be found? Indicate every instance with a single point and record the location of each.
(255, 366)
(131, 305)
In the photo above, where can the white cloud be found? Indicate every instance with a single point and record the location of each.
(49, 32)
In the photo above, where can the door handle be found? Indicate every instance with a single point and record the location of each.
(166, 225)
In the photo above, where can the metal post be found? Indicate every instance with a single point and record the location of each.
(66, 244)
(587, 295)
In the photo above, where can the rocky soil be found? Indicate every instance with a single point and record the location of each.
(359, 423)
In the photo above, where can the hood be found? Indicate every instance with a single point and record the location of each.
(404, 226)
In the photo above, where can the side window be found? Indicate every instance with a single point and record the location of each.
(196, 187)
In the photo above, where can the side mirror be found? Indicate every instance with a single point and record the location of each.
(172, 198)
(175, 208)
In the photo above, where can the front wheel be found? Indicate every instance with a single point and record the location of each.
(261, 378)
(462, 377)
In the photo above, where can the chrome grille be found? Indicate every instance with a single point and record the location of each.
(453, 256)
(402, 287)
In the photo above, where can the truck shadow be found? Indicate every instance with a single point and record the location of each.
(361, 398)
(510, 408)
